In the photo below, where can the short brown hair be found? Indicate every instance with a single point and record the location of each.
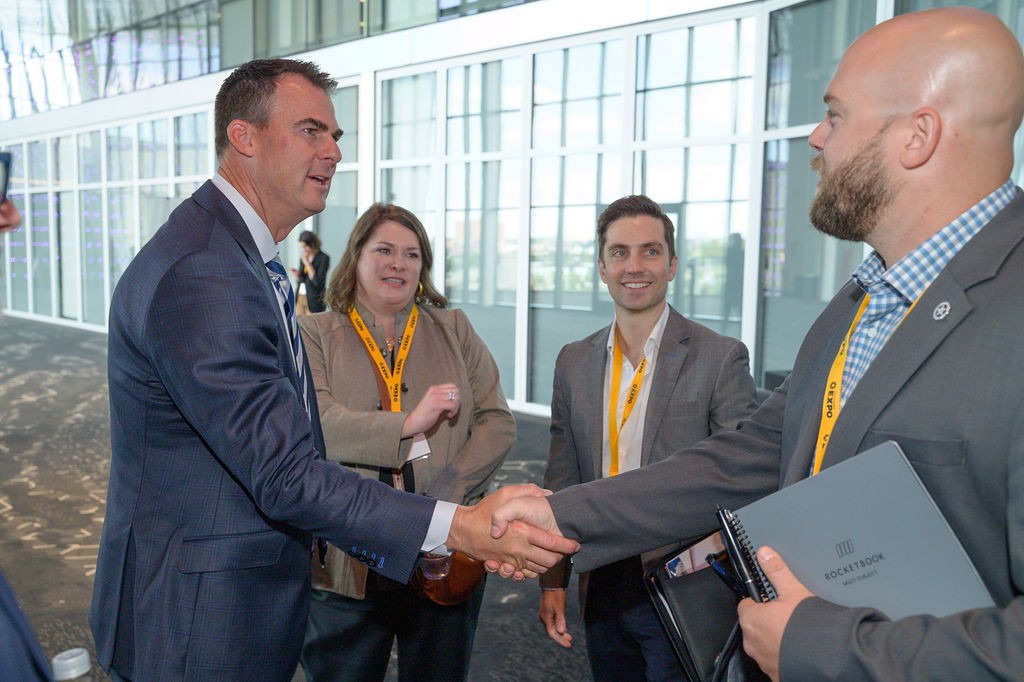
(341, 291)
(247, 91)
(630, 207)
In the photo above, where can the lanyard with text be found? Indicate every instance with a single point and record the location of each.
(614, 426)
(834, 388)
(393, 379)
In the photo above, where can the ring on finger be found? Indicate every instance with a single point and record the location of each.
(451, 395)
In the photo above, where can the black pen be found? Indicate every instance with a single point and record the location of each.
(736, 555)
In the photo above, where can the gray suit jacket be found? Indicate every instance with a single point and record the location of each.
(702, 385)
(949, 387)
(217, 477)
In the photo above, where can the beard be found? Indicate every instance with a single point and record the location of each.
(850, 199)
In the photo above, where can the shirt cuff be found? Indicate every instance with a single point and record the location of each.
(440, 527)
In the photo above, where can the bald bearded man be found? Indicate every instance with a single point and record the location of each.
(915, 154)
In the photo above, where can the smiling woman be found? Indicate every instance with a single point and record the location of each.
(408, 394)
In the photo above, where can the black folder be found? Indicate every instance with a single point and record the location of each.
(698, 611)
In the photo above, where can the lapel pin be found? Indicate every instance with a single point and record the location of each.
(941, 311)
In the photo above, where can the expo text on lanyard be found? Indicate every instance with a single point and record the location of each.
(614, 426)
(834, 387)
(392, 378)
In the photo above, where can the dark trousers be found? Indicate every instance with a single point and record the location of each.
(351, 639)
(625, 638)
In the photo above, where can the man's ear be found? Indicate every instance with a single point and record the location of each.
(925, 131)
(241, 137)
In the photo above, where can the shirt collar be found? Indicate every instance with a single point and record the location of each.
(915, 272)
(653, 342)
(257, 228)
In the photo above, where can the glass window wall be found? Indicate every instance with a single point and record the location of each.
(120, 153)
(92, 198)
(192, 148)
(801, 268)
(17, 260)
(69, 259)
(410, 174)
(507, 158)
(483, 186)
(120, 230)
(90, 220)
(392, 15)
(706, 73)
(576, 170)
(42, 253)
(335, 223)
(153, 149)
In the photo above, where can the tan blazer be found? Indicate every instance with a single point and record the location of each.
(466, 452)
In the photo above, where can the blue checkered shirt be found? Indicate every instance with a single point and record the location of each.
(894, 290)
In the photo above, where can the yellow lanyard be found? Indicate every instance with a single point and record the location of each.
(392, 379)
(614, 426)
(834, 388)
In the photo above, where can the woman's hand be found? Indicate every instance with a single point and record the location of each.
(440, 399)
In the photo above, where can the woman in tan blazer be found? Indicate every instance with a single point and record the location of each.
(408, 394)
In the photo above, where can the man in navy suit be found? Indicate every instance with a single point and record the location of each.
(217, 481)
(20, 656)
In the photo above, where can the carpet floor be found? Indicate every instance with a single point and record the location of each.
(54, 463)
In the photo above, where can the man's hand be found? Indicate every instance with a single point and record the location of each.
(533, 510)
(523, 549)
(552, 614)
(764, 623)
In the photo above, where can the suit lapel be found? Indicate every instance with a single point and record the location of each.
(941, 309)
(671, 356)
(907, 349)
(591, 399)
(214, 201)
(804, 404)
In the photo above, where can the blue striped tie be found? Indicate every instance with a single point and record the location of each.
(284, 288)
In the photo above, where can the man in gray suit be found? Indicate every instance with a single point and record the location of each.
(914, 158)
(687, 383)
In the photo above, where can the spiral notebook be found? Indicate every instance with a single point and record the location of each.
(864, 532)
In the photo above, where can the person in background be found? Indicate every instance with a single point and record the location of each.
(914, 157)
(688, 382)
(311, 275)
(218, 485)
(21, 657)
(443, 432)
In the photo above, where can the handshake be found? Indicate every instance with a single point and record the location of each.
(513, 531)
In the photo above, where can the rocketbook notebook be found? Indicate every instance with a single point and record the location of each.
(864, 532)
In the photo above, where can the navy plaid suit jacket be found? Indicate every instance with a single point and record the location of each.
(217, 480)
(20, 655)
